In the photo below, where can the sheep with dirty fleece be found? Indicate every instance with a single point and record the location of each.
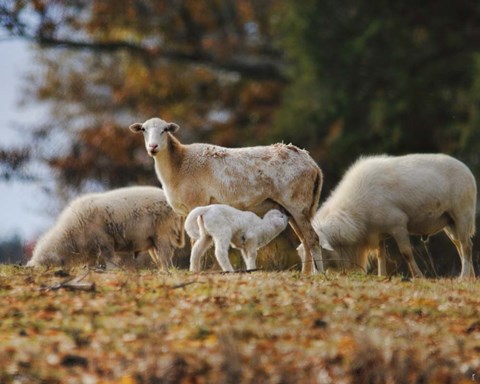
(253, 178)
(383, 196)
(124, 221)
(223, 226)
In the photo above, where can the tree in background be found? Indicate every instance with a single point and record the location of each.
(377, 77)
(13, 162)
(341, 79)
(212, 66)
(11, 250)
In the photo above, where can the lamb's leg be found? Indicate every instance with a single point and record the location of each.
(221, 253)
(400, 234)
(250, 256)
(198, 250)
(312, 260)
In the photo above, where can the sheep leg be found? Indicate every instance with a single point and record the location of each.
(166, 251)
(249, 255)
(381, 261)
(312, 255)
(157, 259)
(168, 256)
(221, 253)
(464, 249)
(467, 265)
(104, 253)
(154, 256)
(199, 248)
(302, 250)
(159, 256)
(400, 234)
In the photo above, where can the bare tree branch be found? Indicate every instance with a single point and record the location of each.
(264, 64)
(254, 67)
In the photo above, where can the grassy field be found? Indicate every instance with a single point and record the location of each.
(148, 327)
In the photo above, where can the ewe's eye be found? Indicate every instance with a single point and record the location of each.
(142, 129)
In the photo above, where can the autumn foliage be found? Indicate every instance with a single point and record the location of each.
(340, 79)
(146, 327)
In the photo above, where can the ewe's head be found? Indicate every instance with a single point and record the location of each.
(154, 132)
(45, 255)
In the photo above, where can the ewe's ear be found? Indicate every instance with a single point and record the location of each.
(137, 127)
(171, 127)
(324, 242)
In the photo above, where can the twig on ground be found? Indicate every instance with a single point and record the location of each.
(72, 283)
(182, 285)
(241, 271)
(237, 271)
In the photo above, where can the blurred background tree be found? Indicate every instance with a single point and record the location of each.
(11, 250)
(214, 67)
(376, 77)
(341, 79)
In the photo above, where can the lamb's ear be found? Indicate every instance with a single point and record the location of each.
(324, 242)
(135, 128)
(171, 127)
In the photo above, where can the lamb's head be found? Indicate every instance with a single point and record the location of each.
(277, 219)
(155, 133)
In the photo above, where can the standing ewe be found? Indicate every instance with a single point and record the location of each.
(382, 196)
(223, 225)
(252, 178)
(126, 220)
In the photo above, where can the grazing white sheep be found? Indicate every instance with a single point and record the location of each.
(123, 221)
(382, 196)
(253, 178)
(223, 225)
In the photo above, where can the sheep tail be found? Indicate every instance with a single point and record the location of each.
(317, 189)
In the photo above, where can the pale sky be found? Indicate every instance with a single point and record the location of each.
(22, 205)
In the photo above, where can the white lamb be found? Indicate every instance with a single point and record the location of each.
(253, 178)
(223, 226)
(124, 221)
(382, 196)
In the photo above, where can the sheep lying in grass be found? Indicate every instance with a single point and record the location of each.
(253, 178)
(382, 196)
(124, 221)
(223, 225)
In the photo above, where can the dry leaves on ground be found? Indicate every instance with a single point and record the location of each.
(148, 327)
